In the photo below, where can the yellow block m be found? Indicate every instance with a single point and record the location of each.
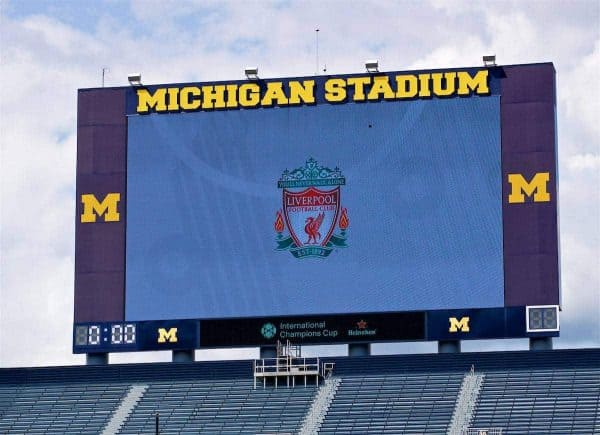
(107, 208)
(538, 187)
(164, 335)
(461, 325)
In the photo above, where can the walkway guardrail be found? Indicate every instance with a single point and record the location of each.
(290, 368)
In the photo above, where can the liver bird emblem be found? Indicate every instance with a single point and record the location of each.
(312, 228)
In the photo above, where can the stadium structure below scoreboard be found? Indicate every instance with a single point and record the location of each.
(396, 206)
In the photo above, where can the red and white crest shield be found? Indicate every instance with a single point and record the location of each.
(311, 211)
(311, 215)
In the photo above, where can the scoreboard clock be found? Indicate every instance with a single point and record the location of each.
(101, 334)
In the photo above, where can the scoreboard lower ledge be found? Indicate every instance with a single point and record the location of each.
(435, 325)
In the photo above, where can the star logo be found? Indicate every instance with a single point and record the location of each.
(362, 324)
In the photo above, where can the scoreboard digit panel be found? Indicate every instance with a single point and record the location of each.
(543, 318)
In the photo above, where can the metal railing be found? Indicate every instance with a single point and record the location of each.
(287, 365)
(291, 367)
(466, 402)
(321, 403)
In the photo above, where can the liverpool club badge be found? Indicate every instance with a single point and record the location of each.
(312, 211)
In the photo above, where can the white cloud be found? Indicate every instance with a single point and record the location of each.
(579, 91)
(584, 161)
(58, 38)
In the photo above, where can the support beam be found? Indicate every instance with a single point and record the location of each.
(540, 343)
(183, 356)
(268, 352)
(449, 346)
(359, 349)
(96, 359)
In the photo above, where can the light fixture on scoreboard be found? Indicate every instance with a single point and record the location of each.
(489, 60)
(372, 66)
(251, 72)
(135, 79)
(542, 318)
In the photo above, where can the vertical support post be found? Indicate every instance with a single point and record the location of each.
(183, 356)
(156, 424)
(96, 359)
(449, 346)
(359, 349)
(540, 343)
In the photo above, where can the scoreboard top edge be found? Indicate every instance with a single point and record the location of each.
(498, 68)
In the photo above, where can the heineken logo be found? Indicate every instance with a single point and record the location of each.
(312, 222)
(362, 329)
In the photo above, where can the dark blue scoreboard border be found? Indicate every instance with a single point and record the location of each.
(435, 325)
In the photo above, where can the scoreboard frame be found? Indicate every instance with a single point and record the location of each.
(529, 218)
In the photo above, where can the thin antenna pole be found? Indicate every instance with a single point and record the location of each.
(317, 50)
(104, 71)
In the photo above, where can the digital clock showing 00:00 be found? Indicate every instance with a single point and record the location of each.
(92, 335)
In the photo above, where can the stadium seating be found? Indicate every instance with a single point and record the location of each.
(523, 392)
(561, 401)
(218, 406)
(416, 403)
(57, 409)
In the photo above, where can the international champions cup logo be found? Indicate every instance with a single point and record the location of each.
(311, 211)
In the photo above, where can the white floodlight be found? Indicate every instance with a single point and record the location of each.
(135, 79)
(489, 60)
(372, 66)
(251, 72)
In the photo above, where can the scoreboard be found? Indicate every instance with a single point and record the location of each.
(396, 206)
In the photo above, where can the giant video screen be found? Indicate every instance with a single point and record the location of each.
(311, 210)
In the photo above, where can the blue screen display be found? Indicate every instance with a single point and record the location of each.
(390, 206)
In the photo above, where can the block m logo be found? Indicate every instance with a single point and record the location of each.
(106, 209)
(538, 187)
(461, 325)
(167, 336)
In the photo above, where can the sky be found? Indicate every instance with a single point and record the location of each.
(49, 49)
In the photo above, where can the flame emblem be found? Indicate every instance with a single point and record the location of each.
(344, 221)
(279, 225)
